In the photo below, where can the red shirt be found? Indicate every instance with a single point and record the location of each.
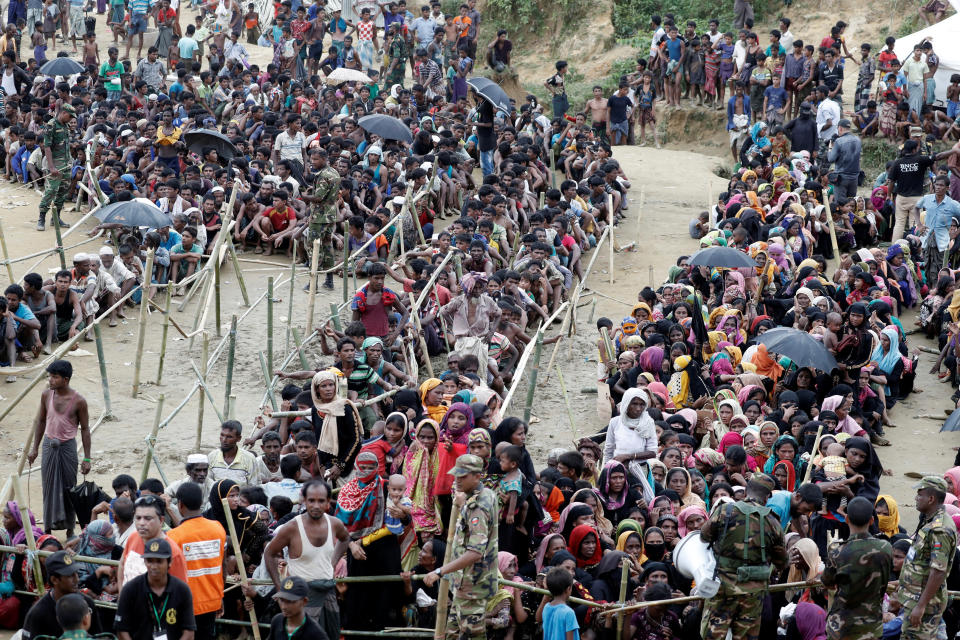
(280, 221)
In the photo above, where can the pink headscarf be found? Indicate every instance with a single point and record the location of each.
(542, 550)
(848, 424)
(745, 392)
(661, 390)
(953, 473)
(811, 621)
(730, 439)
(686, 513)
(778, 255)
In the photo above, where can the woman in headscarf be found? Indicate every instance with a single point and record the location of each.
(766, 364)
(361, 506)
(841, 406)
(630, 541)
(855, 345)
(251, 531)
(13, 524)
(730, 325)
(632, 435)
(421, 468)
(655, 546)
(513, 431)
(607, 574)
(691, 519)
(96, 541)
(573, 515)
(408, 402)
(888, 516)
(678, 479)
(785, 474)
(889, 365)
(686, 387)
(601, 523)
(863, 460)
(584, 545)
(811, 621)
(390, 447)
(431, 398)
(457, 423)
(785, 448)
(617, 496)
(336, 423)
(805, 565)
(545, 552)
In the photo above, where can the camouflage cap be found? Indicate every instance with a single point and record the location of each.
(467, 463)
(69, 108)
(932, 482)
(764, 481)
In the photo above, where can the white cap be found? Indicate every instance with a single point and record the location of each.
(106, 251)
(399, 200)
(196, 458)
(426, 166)
(217, 188)
(153, 97)
(80, 257)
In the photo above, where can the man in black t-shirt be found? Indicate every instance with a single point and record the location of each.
(486, 139)
(907, 179)
(618, 123)
(293, 623)
(155, 602)
(41, 619)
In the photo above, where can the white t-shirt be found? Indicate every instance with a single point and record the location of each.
(290, 147)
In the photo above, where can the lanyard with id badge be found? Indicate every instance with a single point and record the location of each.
(161, 617)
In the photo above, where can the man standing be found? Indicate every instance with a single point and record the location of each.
(845, 156)
(41, 619)
(915, 71)
(618, 123)
(828, 116)
(62, 412)
(922, 589)
(56, 148)
(474, 568)
(312, 554)
(373, 302)
(155, 604)
(859, 569)
(397, 53)
(203, 542)
(941, 209)
(555, 86)
(472, 316)
(324, 213)
(198, 471)
(230, 462)
(148, 515)
(746, 538)
(906, 179)
(486, 137)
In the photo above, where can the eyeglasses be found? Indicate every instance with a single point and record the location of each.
(147, 501)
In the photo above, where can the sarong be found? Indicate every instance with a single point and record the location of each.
(322, 606)
(58, 468)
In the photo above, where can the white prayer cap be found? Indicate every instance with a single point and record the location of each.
(196, 458)
(106, 251)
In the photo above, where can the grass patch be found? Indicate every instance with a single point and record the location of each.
(631, 18)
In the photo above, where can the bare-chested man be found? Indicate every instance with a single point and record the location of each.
(599, 113)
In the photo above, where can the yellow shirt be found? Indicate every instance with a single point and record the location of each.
(168, 139)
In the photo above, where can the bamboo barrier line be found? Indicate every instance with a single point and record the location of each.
(241, 565)
(528, 350)
(362, 403)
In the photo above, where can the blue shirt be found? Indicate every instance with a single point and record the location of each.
(776, 96)
(937, 219)
(24, 313)
(780, 503)
(173, 239)
(139, 7)
(673, 48)
(558, 619)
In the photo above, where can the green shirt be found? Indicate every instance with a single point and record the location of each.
(932, 547)
(326, 185)
(112, 72)
(56, 137)
(477, 530)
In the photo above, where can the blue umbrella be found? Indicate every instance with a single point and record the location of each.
(953, 422)
(799, 346)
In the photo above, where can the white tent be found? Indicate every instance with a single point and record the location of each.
(943, 36)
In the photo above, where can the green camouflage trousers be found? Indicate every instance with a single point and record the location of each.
(55, 191)
(929, 623)
(327, 253)
(741, 615)
(465, 620)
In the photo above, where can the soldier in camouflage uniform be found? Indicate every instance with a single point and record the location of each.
(397, 53)
(922, 592)
(746, 538)
(474, 566)
(56, 148)
(860, 569)
(324, 214)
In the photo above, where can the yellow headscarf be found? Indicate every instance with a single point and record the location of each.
(641, 305)
(954, 307)
(437, 411)
(889, 525)
(679, 388)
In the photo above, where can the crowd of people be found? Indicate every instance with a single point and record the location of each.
(770, 461)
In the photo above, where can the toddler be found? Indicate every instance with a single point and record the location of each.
(396, 487)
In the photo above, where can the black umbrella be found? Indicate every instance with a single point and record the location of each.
(199, 139)
(800, 347)
(721, 257)
(387, 127)
(952, 423)
(62, 67)
(138, 212)
(492, 92)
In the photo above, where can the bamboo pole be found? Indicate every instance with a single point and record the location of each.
(346, 258)
(624, 577)
(266, 376)
(206, 390)
(532, 382)
(142, 329)
(152, 440)
(529, 587)
(415, 314)
(416, 218)
(361, 403)
(164, 331)
(566, 402)
(443, 593)
(216, 296)
(610, 226)
(199, 285)
(231, 352)
(787, 586)
(27, 529)
(293, 282)
(270, 323)
(335, 317)
(241, 566)
(204, 351)
(813, 453)
(55, 219)
(298, 343)
(232, 250)
(522, 362)
(6, 256)
(102, 361)
(314, 265)
(833, 232)
(433, 278)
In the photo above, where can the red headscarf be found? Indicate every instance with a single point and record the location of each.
(766, 365)
(576, 539)
(791, 474)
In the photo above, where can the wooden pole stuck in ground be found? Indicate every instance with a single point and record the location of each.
(293, 284)
(231, 352)
(532, 382)
(236, 269)
(6, 256)
(142, 329)
(298, 343)
(55, 218)
(443, 593)
(152, 440)
(102, 361)
(216, 296)
(204, 354)
(166, 329)
(241, 565)
(266, 377)
(31, 541)
(270, 323)
(314, 264)
(624, 578)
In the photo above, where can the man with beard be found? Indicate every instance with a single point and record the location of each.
(472, 317)
(268, 464)
(230, 462)
(198, 473)
(312, 554)
(793, 506)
